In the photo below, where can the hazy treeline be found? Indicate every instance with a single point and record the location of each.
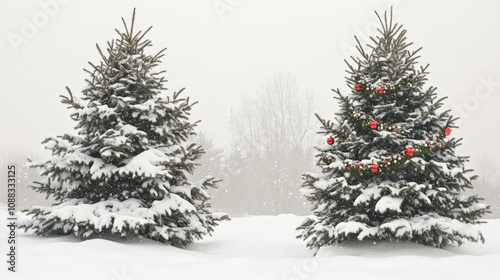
(273, 134)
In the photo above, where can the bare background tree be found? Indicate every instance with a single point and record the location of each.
(271, 134)
(487, 185)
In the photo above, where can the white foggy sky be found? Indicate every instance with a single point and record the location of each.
(218, 60)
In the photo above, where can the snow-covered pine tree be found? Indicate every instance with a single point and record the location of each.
(389, 171)
(124, 174)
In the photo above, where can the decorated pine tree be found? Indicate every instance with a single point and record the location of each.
(389, 167)
(124, 174)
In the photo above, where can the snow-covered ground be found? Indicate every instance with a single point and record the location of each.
(261, 247)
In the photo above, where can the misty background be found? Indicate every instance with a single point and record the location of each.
(259, 69)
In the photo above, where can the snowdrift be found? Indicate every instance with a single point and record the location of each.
(260, 247)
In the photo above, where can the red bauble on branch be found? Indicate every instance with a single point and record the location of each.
(330, 141)
(358, 87)
(373, 125)
(447, 131)
(409, 152)
(381, 90)
(374, 168)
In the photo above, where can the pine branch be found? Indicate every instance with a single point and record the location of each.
(159, 55)
(359, 47)
(326, 125)
(126, 27)
(70, 101)
(101, 53)
(176, 94)
(143, 34)
(381, 22)
(133, 22)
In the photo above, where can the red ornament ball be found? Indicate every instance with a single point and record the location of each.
(373, 125)
(409, 152)
(330, 141)
(447, 131)
(358, 87)
(374, 168)
(381, 90)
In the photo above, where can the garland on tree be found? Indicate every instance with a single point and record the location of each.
(382, 164)
(364, 87)
(362, 119)
(374, 165)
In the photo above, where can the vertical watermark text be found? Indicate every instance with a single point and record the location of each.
(11, 219)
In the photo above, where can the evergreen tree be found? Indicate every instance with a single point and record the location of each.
(389, 169)
(124, 174)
